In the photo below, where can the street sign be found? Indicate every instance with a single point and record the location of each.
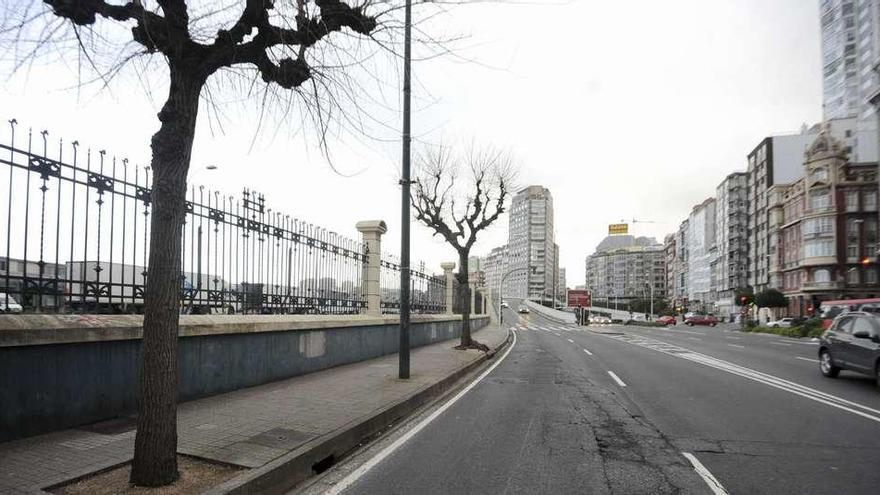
(618, 228)
(578, 298)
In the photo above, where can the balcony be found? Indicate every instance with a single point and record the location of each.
(817, 286)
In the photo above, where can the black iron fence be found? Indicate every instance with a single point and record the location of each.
(427, 291)
(77, 227)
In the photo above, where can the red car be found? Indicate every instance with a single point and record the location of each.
(666, 320)
(701, 320)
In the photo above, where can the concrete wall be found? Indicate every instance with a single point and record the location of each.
(553, 314)
(59, 372)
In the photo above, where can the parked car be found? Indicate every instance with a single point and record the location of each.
(505, 305)
(524, 310)
(701, 320)
(852, 342)
(781, 323)
(8, 304)
(667, 320)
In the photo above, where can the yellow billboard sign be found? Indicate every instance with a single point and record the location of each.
(618, 228)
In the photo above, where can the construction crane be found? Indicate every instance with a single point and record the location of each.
(644, 221)
(649, 221)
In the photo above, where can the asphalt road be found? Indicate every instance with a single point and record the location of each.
(573, 411)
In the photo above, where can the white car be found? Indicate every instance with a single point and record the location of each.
(505, 305)
(8, 304)
(524, 310)
(782, 323)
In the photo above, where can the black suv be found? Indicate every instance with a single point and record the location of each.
(851, 343)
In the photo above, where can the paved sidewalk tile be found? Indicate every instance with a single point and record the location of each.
(247, 427)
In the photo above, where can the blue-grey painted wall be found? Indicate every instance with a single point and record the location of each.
(50, 387)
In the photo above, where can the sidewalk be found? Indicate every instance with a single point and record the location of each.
(248, 427)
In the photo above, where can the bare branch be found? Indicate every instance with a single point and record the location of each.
(486, 192)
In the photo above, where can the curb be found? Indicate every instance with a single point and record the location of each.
(285, 472)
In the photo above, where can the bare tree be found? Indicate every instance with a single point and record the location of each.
(458, 208)
(276, 43)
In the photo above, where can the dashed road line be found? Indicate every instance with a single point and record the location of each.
(617, 379)
(781, 343)
(570, 340)
(588, 352)
(807, 359)
(737, 345)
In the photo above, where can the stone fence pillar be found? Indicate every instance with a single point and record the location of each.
(450, 283)
(372, 231)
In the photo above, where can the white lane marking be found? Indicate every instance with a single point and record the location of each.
(714, 485)
(732, 338)
(807, 359)
(588, 352)
(346, 482)
(737, 345)
(693, 338)
(617, 379)
(781, 343)
(754, 375)
(570, 340)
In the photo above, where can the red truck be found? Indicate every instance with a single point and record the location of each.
(701, 320)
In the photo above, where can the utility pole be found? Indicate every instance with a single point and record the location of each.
(403, 351)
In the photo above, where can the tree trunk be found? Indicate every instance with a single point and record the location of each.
(464, 298)
(155, 450)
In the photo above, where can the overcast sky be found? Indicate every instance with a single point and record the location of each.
(623, 110)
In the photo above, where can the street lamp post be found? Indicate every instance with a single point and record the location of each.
(403, 349)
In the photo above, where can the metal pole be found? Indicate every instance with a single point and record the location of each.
(501, 301)
(403, 351)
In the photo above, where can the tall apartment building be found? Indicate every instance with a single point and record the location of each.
(701, 250)
(680, 266)
(779, 160)
(825, 225)
(849, 49)
(495, 266)
(731, 223)
(531, 245)
(624, 269)
(563, 283)
(669, 265)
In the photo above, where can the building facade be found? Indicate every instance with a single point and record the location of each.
(669, 265)
(494, 267)
(625, 269)
(779, 160)
(849, 50)
(827, 234)
(731, 223)
(680, 266)
(701, 249)
(531, 245)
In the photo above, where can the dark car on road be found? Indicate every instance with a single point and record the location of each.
(852, 343)
(701, 320)
(666, 320)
